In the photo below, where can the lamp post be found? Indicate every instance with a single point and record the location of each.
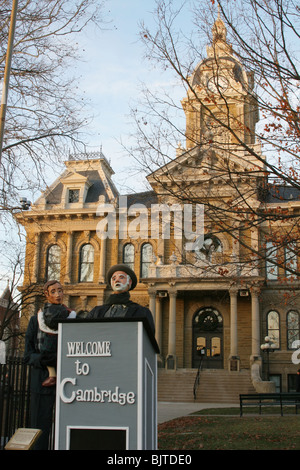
(268, 346)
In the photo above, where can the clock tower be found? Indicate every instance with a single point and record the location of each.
(220, 106)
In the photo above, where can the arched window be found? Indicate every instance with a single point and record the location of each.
(53, 263)
(210, 246)
(128, 255)
(273, 330)
(86, 266)
(208, 319)
(293, 328)
(146, 259)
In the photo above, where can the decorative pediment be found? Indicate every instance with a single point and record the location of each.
(75, 188)
(75, 178)
(199, 165)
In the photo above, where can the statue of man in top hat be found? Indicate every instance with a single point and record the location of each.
(121, 279)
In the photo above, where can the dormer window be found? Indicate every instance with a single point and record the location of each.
(73, 195)
(76, 186)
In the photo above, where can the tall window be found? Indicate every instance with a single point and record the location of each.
(86, 267)
(273, 330)
(293, 328)
(271, 268)
(53, 263)
(128, 255)
(146, 259)
(290, 258)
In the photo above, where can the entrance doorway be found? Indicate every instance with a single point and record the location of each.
(208, 339)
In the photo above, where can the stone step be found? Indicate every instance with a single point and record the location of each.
(215, 385)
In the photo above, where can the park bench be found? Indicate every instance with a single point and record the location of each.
(269, 399)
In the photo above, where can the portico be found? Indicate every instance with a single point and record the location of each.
(189, 295)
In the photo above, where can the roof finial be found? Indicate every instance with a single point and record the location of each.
(219, 28)
(101, 152)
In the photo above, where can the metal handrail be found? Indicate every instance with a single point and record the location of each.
(197, 379)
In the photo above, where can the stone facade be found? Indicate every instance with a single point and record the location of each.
(216, 305)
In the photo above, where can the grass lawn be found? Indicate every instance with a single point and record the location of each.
(209, 431)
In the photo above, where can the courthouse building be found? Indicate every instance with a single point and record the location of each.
(210, 306)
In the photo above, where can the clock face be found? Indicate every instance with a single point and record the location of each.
(217, 84)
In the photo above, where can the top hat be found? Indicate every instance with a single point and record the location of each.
(126, 269)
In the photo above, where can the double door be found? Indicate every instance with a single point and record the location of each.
(209, 349)
(208, 339)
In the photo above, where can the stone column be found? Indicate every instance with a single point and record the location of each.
(255, 323)
(233, 359)
(152, 302)
(158, 322)
(37, 241)
(233, 321)
(102, 261)
(69, 258)
(171, 358)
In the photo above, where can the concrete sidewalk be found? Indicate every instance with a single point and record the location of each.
(171, 410)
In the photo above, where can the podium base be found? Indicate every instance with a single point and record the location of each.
(171, 362)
